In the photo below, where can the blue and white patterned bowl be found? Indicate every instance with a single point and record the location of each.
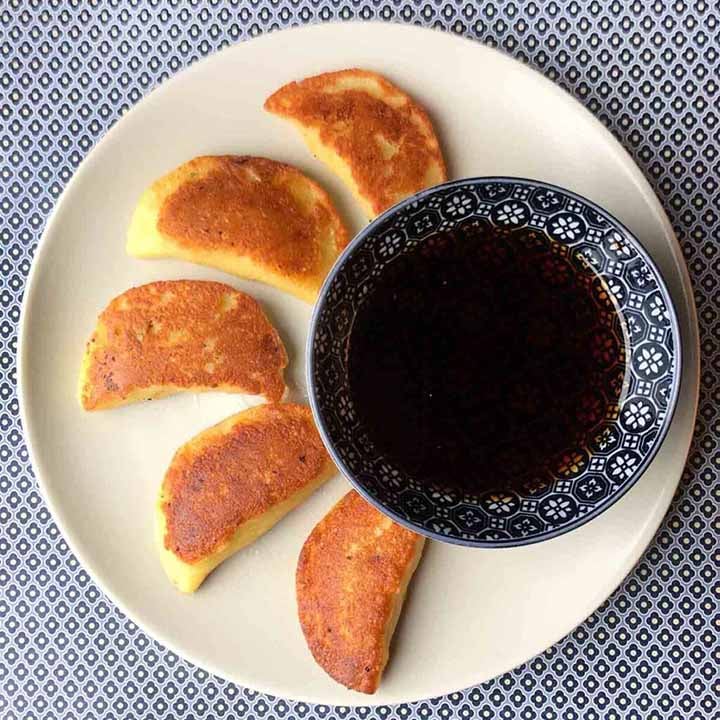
(591, 480)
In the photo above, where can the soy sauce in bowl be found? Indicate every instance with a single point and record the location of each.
(483, 358)
(494, 361)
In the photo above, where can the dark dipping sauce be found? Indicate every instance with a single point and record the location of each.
(482, 359)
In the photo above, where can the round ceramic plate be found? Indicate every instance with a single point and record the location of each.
(471, 613)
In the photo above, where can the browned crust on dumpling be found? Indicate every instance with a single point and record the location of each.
(385, 137)
(166, 337)
(252, 206)
(352, 571)
(237, 471)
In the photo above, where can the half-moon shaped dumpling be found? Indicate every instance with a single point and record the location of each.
(232, 483)
(372, 135)
(181, 335)
(249, 216)
(351, 581)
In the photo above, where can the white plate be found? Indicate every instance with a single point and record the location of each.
(471, 614)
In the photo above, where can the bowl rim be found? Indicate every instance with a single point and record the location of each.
(357, 242)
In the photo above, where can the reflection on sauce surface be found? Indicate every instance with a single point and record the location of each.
(483, 357)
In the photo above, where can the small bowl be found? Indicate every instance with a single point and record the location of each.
(623, 446)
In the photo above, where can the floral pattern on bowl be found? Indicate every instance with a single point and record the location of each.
(587, 482)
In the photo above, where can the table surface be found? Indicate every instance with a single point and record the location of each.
(648, 70)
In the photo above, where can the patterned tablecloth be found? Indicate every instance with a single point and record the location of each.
(649, 70)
